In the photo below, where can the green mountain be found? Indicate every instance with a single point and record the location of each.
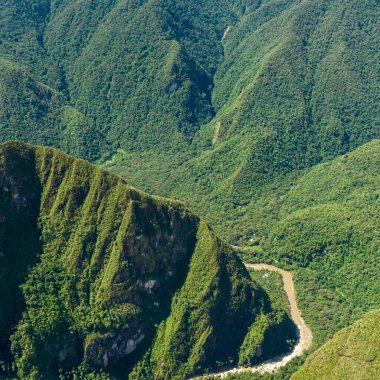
(32, 111)
(262, 116)
(327, 235)
(353, 353)
(99, 280)
(212, 102)
(328, 232)
(141, 71)
(297, 85)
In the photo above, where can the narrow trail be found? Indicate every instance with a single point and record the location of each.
(304, 333)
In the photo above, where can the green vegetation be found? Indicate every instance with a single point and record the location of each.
(144, 88)
(100, 280)
(353, 353)
(218, 103)
(273, 284)
(32, 111)
(328, 233)
(258, 333)
(297, 85)
(261, 116)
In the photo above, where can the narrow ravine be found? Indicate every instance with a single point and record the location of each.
(304, 333)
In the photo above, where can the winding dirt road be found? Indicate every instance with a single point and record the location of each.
(304, 333)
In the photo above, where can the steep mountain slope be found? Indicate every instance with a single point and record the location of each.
(140, 70)
(328, 236)
(353, 353)
(328, 229)
(230, 106)
(212, 102)
(98, 278)
(32, 111)
(298, 85)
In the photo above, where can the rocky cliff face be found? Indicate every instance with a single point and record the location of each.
(97, 276)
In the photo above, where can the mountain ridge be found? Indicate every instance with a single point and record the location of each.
(260, 116)
(100, 271)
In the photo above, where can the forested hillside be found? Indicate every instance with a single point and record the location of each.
(297, 85)
(328, 230)
(261, 116)
(327, 235)
(32, 111)
(141, 71)
(99, 280)
(213, 102)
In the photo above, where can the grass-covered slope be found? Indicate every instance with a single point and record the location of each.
(100, 278)
(328, 229)
(353, 353)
